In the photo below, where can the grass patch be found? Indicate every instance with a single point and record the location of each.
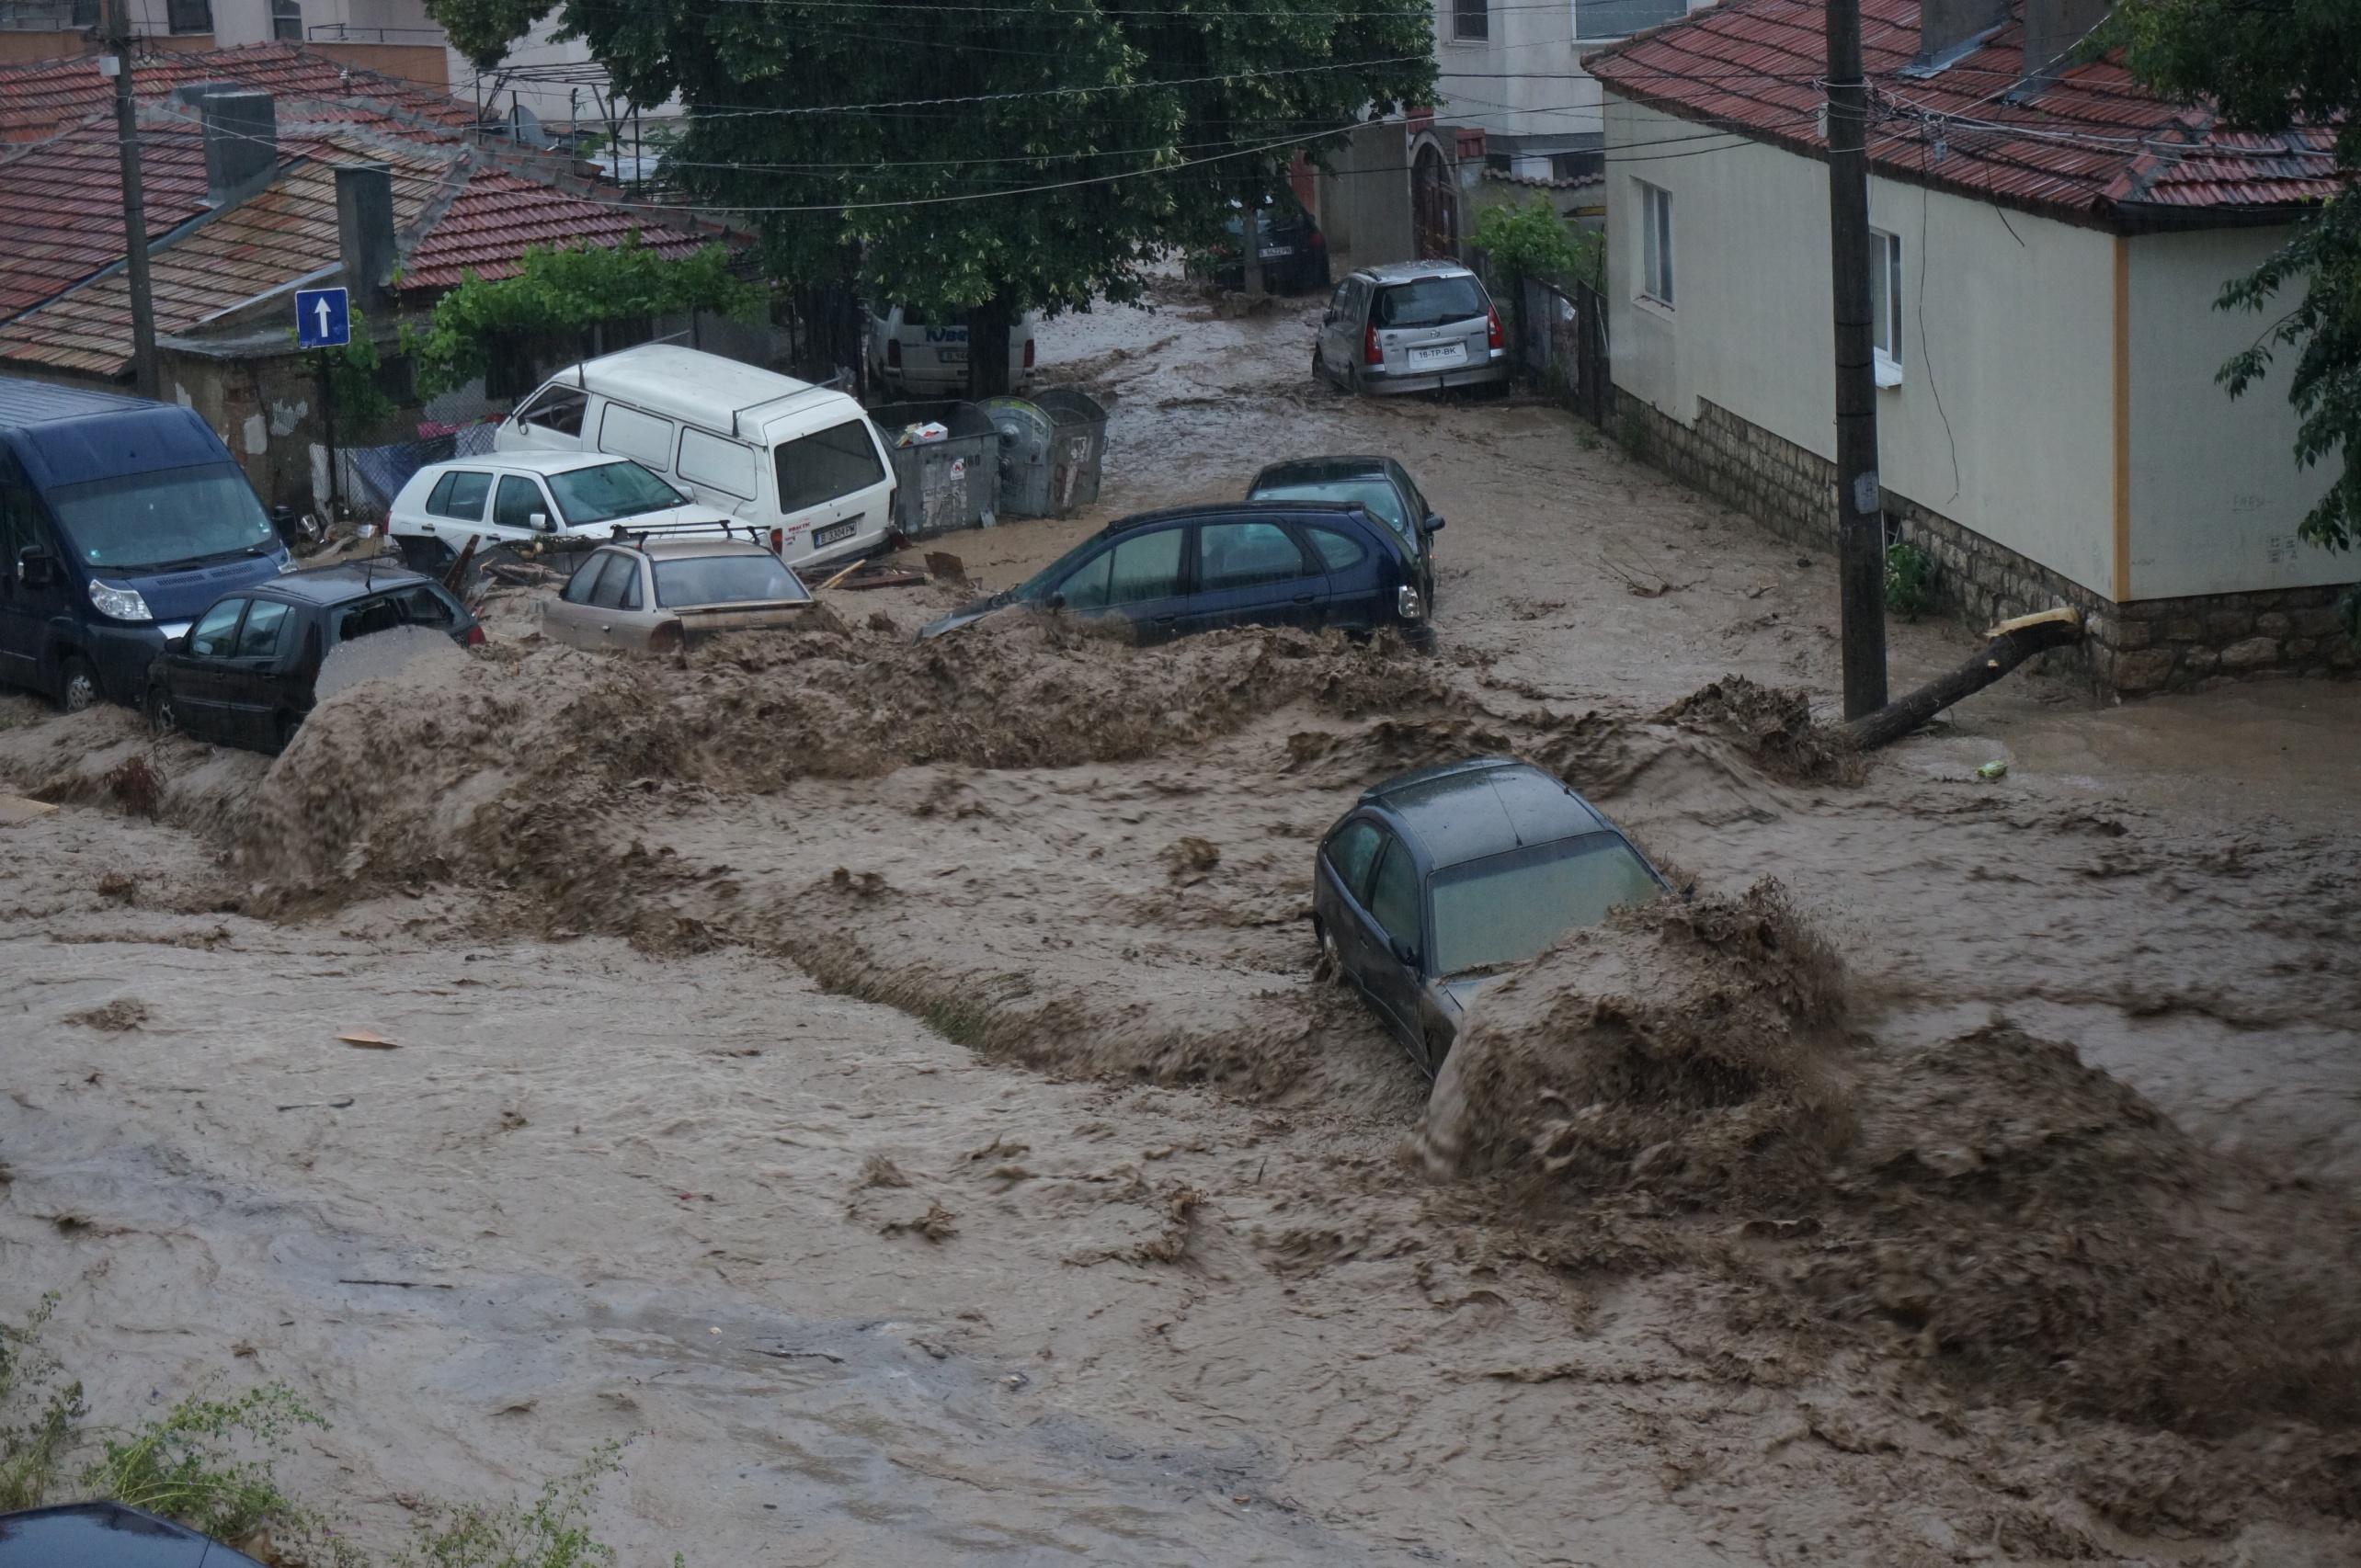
(207, 1464)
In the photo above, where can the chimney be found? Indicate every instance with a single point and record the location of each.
(2052, 28)
(365, 231)
(241, 143)
(1947, 28)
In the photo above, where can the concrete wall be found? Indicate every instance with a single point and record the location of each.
(1363, 204)
(2003, 417)
(2216, 495)
(1530, 63)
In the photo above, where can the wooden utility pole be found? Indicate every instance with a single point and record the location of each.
(118, 21)
(1860, 512)
(1250, 231)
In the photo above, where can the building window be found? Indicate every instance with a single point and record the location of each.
(1886, 304)
(188, 16)
(1655, 244)
(287, 21)
(1471, 20)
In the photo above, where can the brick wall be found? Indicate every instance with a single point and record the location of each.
(2145, 646)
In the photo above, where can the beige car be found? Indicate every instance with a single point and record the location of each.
(652, 594)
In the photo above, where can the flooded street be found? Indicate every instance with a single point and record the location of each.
(886, 1088)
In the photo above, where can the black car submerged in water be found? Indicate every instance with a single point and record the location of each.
(1440, 878)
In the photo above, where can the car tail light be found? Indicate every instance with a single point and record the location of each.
(1029, 353)
(1370, 352)
(893, 353)
(1315, 241)
(476, 635)
(1492, 324)
(1407, 601)
(668, 637)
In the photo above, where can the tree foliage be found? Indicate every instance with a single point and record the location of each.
(562, 294)
(1013, 155)
(1533, 241)
(2269, 65)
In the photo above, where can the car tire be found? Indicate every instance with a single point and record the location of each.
(77, 685)
(163, 716)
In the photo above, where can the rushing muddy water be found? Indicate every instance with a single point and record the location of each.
(887, 1087)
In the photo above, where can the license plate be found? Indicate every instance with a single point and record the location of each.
(952, 355)
(1449, 354)
(1277, 253)
(835, 533)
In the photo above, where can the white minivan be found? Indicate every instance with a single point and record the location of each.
(912, 353)
(799, 460)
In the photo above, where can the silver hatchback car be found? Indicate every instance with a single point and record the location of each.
(655, 590)
(1410, 326)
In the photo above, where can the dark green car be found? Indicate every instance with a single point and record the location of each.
(1379, 486)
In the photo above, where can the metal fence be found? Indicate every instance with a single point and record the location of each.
(1565, 348)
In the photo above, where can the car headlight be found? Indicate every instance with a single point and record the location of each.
(119, 604)
(1407, 601)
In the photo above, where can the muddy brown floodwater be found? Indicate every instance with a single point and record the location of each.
(886, 1086)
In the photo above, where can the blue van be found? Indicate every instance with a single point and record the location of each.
(120, 519)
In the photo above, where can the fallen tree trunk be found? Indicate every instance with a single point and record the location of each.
(2012, 643)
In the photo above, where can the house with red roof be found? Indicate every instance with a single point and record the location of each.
(264, 171)
(2049, 240)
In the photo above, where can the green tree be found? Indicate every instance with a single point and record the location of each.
(2271, 64)
(1533, 241)
(993, 157)
(557, 296)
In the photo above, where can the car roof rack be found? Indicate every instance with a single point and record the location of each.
(623, 532)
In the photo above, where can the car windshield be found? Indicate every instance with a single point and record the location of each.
(601, 494)
(1505, 908)
(724, 580)
(175, 516)
(1429, 301)
(1382, 500)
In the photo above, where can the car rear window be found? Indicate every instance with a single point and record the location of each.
(1505, 908)
(724, 580)
(1338, 552)
(816, 469)
(1428, 301)
(367, 618)
(427, 605)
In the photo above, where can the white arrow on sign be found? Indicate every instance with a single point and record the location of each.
(322, 306)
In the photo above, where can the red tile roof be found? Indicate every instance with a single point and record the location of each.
(499, 216)
(459, 208)
(2089, 146)
(264, 243)
(39, 96)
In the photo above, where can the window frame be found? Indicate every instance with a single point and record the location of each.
(1397, 845)
(283, 13)
(556, 393)
(542, 503)
(1659, 273)
(238, 649)
(1885, 302)
(1359, 893)
(791, 491)
(620, 415)
(1463, 13)
(751, 478)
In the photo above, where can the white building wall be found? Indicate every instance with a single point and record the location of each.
(2216, 495)
(1526, 80)
(2003, 419)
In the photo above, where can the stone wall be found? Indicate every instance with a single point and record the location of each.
(2145, 646)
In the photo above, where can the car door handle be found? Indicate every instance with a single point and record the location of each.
(1304, 599)
(1166, 620)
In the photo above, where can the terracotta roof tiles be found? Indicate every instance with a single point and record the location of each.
(2088, 145)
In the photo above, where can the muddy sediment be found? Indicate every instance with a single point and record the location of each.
(956, 1152)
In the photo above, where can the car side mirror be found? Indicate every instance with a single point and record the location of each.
(1056, 601)
(1433, 524)
(1407, 950)
(541, 521)
(36, 568)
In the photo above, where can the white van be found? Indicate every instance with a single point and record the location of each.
(913, 355)
(787, 456)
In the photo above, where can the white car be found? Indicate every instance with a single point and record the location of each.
(915, 356)
(511, 497)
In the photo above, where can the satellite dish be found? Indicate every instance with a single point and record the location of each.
(525, 127)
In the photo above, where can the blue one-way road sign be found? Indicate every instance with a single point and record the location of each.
(323, 318)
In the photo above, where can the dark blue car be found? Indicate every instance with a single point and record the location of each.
(120, 520)
(107, 1535)
(1313, 564)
